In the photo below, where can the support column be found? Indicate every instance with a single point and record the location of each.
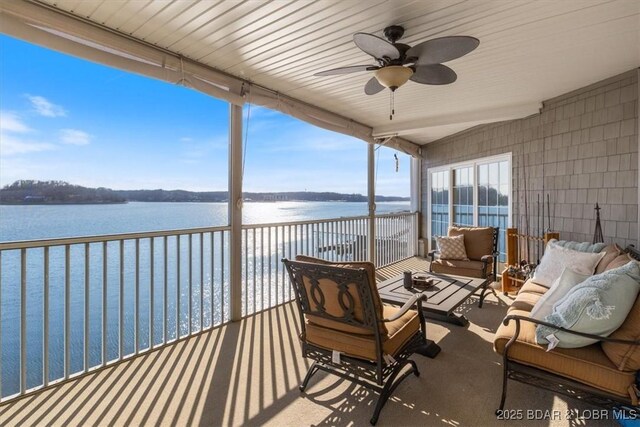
(235, 211)
(416, 201)
(371, 196)
(416, 195)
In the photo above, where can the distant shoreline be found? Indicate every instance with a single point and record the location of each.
(33, 192)
(187, 201)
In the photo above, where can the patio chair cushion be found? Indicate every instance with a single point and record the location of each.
(332, 305)
(588, 365)
(626, 357)
(364, 346)
(478, 241)
(459, 267)
(526, 301)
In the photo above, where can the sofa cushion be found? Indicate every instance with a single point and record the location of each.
(588, 365)
(625, 356)
(525, 301)
(611, 252)
(478, 241)
(567, 280)
(533, 287)
(459, 267)
(451, 247)
(557, 258)
(364, 346)
(332, 305)
(597, 306)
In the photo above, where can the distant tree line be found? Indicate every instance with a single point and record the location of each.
(55, 192)
(487, 196)
(60, 192)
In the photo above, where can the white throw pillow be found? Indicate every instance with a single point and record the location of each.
(556, 259)
(562, 285)
(452, 247)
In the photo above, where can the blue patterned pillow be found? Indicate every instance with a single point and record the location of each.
(597, 306)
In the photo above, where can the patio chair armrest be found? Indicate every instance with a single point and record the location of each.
(432, 255)
(416, 299)
(518, 318)
(487, 259)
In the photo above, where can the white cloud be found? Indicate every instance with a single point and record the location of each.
(10, 145)
(46, 108)
(10, 122)
(186, 139)
(74, 137)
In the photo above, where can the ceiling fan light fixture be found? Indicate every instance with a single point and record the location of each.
(393, 76)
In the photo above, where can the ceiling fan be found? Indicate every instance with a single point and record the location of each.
(398, 62)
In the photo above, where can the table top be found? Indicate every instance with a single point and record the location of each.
(447, 293)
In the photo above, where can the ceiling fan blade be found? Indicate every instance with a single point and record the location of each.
(373, 86)
(442, 49)
(346, 70)
(434, 74)
(375, 46)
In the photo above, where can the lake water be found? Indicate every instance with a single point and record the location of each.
(49, 221)
(52, 221)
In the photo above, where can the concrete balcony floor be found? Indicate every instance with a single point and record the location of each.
(247, 373)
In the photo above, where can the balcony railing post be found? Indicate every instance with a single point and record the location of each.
(371, 196)
(235, 211)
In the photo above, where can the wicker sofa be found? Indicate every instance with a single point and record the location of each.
(604, 374)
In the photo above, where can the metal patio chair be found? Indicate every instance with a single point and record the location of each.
(347, 331)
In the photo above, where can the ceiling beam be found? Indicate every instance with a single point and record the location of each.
(474, 117)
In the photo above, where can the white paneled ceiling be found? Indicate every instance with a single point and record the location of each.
(529, 50)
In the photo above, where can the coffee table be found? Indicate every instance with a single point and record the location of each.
(447, 294)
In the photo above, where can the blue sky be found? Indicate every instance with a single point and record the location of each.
(69, 119)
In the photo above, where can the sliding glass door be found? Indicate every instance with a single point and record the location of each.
(479, 196)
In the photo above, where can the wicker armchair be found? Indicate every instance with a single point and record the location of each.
(347, 331)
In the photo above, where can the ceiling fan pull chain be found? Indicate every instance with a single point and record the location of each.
(392, 109)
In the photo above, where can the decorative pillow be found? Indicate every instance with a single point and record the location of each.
(611, 252)
(478, 241)
(626, 357)
(597, 306)
(557, 258)
(451, 247)
(562, 285)
(619, 261)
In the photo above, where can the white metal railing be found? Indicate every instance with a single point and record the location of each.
(94, 301)
(72, 305)
(396, 237)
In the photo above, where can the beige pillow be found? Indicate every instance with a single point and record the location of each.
(611, 252)
(452, 247)
(619, 261)
(626, 357)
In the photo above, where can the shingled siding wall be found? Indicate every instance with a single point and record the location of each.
(581, 149)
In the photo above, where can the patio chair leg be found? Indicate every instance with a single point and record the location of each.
(391, 385)
(484, 293)
(312, 370)
(504, 391)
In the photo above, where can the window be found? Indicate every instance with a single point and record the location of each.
(479, 196)
(439, 208)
